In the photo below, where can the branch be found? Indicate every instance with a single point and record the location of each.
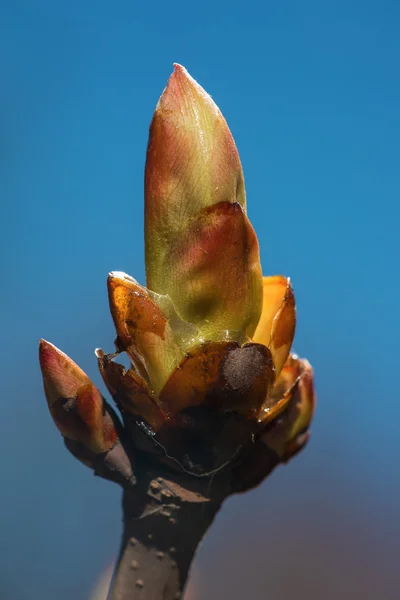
(165, 519)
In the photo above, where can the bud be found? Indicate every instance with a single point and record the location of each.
(75, 403)
(211, 381)
(201, 249)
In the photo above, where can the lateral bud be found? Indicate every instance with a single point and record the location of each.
(86, 422)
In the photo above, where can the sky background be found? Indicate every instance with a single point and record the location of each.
(311, 91)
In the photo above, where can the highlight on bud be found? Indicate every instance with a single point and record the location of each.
(74, 402)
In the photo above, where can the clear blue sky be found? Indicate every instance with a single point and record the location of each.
(311, 91)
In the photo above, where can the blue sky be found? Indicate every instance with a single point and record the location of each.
(311, 92)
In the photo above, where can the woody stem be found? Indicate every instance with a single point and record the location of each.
(164, 522)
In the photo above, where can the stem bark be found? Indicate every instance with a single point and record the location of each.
(164, 523)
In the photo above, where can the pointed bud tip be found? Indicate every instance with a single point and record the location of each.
(44, 346)
(49, 354)
(181, 92)
(182, 74)
(179, 69)
(61, 376)
(119, 277)
(117, 274)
